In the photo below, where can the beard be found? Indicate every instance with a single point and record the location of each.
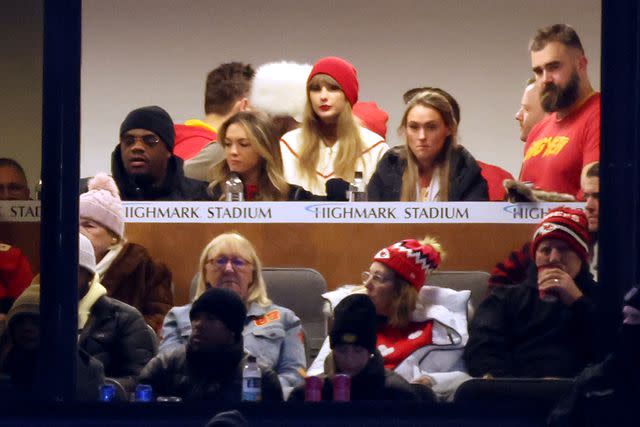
(554, 98)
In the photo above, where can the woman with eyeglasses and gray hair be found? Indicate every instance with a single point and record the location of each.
(271, 333)
(422, 329)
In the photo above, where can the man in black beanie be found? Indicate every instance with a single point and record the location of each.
(354, 353)
(143, 165)
(209, 366)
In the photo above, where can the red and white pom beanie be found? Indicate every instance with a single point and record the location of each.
(568, 225)
(102, 203)
(411, 260)
(342, 72)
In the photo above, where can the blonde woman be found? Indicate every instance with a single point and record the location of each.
(251, 151)
(421, 330)
(431, 166)
(271, 333)
(330, 144)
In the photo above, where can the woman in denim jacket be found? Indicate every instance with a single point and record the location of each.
(271, 333)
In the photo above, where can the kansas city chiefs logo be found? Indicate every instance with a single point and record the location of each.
(547, 228)
(383, 254)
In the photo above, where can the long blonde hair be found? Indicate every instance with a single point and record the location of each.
(411, 176)
(235, 243)
(406, 298)
(272, 184)
(348, 133)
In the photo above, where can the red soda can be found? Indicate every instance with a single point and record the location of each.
(341, 388)
(313, 389)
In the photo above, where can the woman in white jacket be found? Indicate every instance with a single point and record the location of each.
(422, 330)
(330, 143)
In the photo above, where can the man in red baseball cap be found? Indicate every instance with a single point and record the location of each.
(546, 326)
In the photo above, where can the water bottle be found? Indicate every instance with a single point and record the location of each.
(38, 190)
(357, 189)
(251, 381)
(233, 188)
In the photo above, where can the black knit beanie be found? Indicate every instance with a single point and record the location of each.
(154, 119)
(354, 323)
(224, 304)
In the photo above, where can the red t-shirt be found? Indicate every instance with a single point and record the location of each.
(191, 137)
(557, 150)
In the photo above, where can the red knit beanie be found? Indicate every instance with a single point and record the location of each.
(568, 225)
(411, 260)
(373, 117)
(342, 72)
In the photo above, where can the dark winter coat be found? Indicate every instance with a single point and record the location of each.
(117, 335)
(175, 186)
(516, 334)
(465, 179)
(197, 377)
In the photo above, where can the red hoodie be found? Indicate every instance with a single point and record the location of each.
(191, 137)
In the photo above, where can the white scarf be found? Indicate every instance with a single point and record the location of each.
(107, 259)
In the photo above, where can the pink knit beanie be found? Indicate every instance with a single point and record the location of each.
(342, 72)
(102, 203)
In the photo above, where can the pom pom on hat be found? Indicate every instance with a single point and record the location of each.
(411, 260)
(342, 72)
(102, 204)
(279, 88)
(568, 225)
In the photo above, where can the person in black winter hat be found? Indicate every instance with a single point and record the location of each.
(354, 353)
(142, 163)
(209, 366)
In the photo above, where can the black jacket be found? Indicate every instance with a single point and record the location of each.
(465, 180)
(174, 373)
(606, 393)
(516, 334)
(374, 382)
(117, 335)
(175, 187)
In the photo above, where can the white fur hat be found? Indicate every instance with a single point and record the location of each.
(102, 203)
(86, 255)
(280, 88)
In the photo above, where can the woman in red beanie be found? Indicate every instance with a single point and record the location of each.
(430, 166)
(422, 329)
(330, 144)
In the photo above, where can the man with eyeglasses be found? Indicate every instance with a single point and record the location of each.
(13, 181)
(143, 165)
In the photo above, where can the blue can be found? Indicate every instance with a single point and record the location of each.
(107, 393)
(143, 393)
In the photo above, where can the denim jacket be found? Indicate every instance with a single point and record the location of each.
(273, 334)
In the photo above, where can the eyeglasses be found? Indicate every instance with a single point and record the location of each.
(221, 262)
(148, 140)
(374, 277)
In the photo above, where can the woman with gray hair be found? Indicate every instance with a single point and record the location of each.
(271, 333)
